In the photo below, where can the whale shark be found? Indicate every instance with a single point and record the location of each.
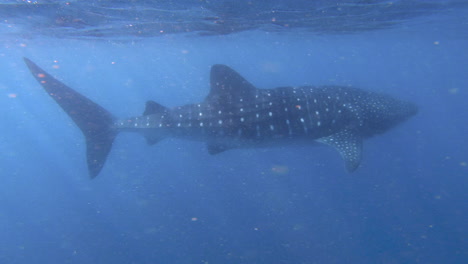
(236, 114)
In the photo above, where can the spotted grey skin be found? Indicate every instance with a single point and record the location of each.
(235, 114)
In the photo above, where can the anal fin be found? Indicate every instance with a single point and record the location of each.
(349, 144)
(214, 148)
(151, 140)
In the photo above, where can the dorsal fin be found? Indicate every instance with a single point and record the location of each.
(154, 108)
(228, 86)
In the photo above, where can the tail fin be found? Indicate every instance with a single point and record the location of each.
(94, 121)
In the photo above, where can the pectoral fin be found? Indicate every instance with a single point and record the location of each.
(349, 145)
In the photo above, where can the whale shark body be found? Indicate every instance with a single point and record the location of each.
(236, 114)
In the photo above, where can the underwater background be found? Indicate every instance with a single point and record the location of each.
(175, 203)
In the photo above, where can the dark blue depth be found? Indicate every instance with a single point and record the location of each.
(175, 203)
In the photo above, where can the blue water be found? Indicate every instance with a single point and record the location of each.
(173, 202)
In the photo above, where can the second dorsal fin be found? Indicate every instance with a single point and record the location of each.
(154, 108)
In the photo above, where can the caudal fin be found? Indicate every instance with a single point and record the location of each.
(95, 122)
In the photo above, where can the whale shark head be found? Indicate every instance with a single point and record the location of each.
(384, 112)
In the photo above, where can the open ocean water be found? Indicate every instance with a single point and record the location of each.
(175, 203)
